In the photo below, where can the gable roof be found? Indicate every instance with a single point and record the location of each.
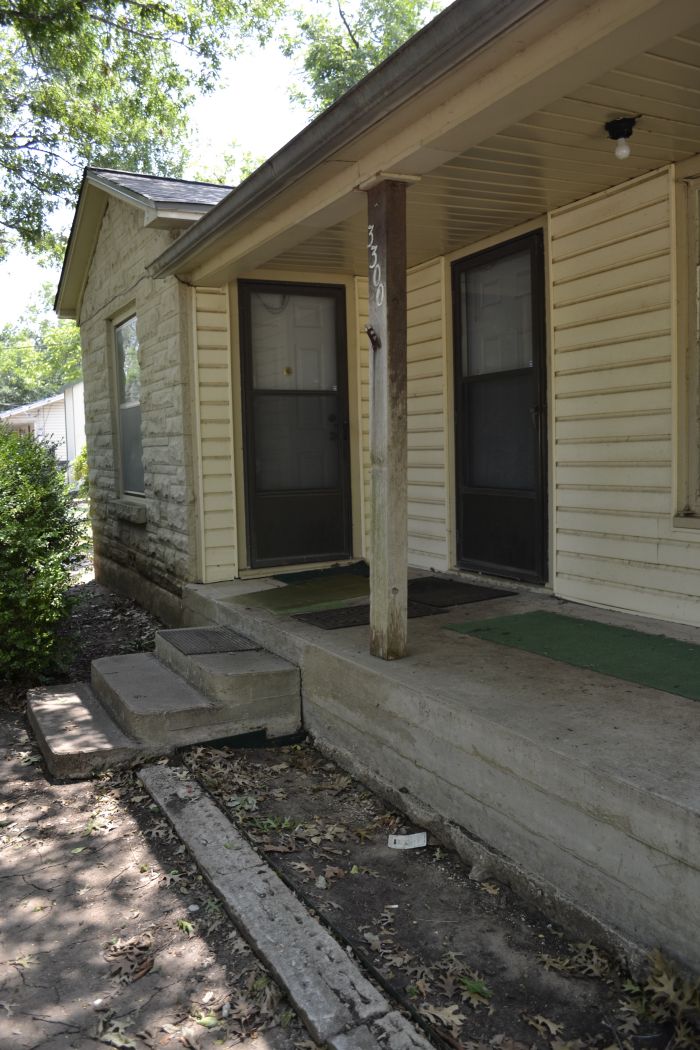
(23, 410)
(165, 203)
(157, 189)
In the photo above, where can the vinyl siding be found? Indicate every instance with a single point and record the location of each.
(215, 440)
(427, 420)
(611, 273)
(51, 424)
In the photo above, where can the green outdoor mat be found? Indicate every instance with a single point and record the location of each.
(648, 659)
(324, 592)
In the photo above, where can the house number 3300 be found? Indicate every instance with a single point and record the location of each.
(375, 269)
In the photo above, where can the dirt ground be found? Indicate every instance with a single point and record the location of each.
(111, 936)
(466, 959)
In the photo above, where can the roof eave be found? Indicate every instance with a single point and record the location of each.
(168, 216)
(79, 250)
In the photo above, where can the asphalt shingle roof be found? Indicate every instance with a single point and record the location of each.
(159, 190)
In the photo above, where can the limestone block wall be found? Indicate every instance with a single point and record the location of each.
(146, 547)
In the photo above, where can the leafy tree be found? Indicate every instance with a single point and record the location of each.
(102, 82)
(231, 168)
(347, 40)
(39, 355)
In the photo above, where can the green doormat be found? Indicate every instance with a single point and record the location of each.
(321, 592)
(648, 659)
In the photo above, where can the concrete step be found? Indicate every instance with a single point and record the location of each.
(76, 735)
(155, 705)
(147, 700)
(236, 674)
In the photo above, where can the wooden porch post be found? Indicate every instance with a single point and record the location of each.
(387, 333)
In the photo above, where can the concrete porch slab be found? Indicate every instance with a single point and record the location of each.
(586, 785)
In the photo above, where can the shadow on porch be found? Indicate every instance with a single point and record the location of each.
(580, 787)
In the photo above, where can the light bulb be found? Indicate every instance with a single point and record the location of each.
(622, 149)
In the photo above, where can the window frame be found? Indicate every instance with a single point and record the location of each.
(117, 361)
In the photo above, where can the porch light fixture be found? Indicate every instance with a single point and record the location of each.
(620, 130)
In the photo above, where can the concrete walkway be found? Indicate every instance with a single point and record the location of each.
(109, 936)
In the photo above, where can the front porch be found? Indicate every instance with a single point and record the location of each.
(580, 785)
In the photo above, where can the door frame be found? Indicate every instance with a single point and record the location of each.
(245, 287)
(534, 239)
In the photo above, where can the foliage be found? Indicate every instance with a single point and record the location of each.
(39, 355)
(341, 45)
(81, 475)
(105, 83)
(39, 534)
(234, 166)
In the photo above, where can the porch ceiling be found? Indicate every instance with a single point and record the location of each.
(557, 155)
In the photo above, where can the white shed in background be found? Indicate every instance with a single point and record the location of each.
(59, 419)
(75, 419)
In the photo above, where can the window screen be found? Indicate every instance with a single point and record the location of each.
(129, 394)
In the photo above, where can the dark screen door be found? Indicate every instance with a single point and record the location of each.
(296, 422)
(500, 409)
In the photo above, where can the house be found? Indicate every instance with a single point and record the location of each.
(450, 301)
(59, 419)
(74, 407)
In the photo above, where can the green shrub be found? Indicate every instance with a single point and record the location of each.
(80, 473)
(39, 533)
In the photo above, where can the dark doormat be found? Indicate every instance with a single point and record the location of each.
(358, 568)
(434, 590)
(647, 659)
(356, 616)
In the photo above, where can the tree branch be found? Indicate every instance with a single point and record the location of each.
(348, 27)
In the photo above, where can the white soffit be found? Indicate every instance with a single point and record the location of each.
(557, 155)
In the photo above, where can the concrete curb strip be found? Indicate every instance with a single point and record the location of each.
(391, 1032)
(337, 1003)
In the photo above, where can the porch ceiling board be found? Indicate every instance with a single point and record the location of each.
(551, 158)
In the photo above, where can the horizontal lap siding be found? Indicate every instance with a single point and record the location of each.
(612, 336)
(427, 455)
(218, 512)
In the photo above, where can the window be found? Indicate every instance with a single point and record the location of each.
(129, 406)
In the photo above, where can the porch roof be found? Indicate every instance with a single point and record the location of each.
(496, 111)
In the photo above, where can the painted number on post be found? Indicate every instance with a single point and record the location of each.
(375, 269)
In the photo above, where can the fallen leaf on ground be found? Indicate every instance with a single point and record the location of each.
(543, 1025)
(447, 1016)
